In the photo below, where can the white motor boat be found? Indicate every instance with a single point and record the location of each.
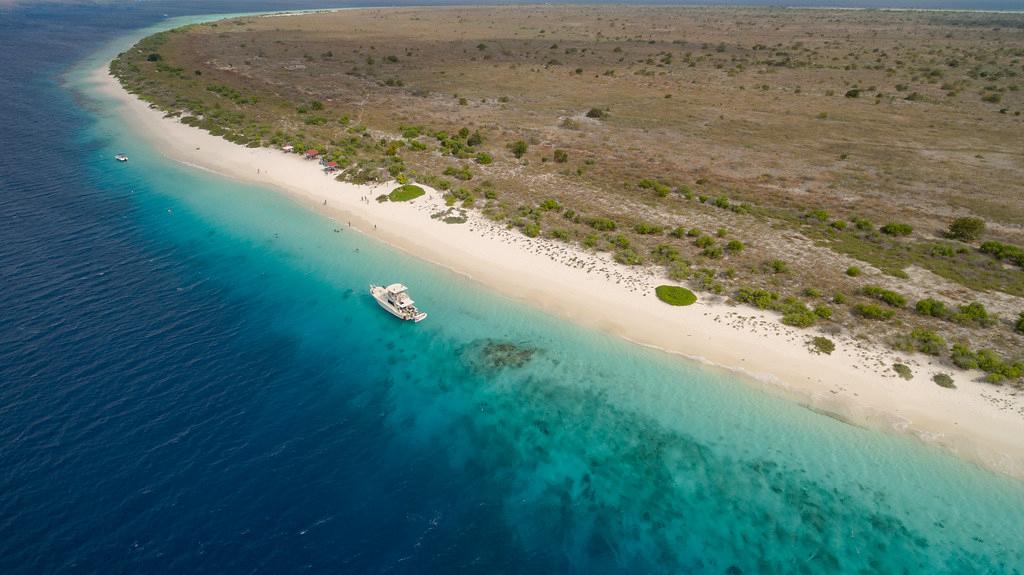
(395, 299)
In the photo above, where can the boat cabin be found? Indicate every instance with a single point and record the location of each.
(312, 154)
(397, 296)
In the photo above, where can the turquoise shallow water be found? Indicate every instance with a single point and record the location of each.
(222, 395)
(618, 455)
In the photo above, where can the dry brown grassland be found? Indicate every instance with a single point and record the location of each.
(754, 153)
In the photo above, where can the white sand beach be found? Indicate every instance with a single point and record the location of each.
(978, 421)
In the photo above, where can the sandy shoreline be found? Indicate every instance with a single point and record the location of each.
(977, 421)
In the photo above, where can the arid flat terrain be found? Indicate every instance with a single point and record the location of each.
(805, 161)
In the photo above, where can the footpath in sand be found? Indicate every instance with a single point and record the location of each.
(856, 383)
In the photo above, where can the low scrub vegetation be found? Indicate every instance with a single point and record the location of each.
(820, 344)
(895, 229)
(675, 295)
(1005, 252)
(888, 297)
(872, 311)
(405, 193)
(966, 229)
(920, 340)
(555, 179)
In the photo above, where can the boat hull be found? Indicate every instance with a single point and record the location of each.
(380, 295)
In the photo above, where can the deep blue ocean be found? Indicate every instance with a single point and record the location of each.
(192, 379)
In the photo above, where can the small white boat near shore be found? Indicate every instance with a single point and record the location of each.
(395, 299)
(121, 158)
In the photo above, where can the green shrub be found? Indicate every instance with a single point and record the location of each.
(966, 229)
(597, 113)
(405, 193)
(963, 357)
(903, 371)
(675, 295)
(694, 232)
(996, 378)
(819, 215)
(679, 271)
(601, 224)
(734, 246)
(896, 229)
(561, 156)
(872, 311)
(932, 307)
(410, 132)
(619, 241)
(823, 311)
(823, 345)
(839, 298)
(759, 298)
(887, 296)
(550, 205)
(853, 271)
(928, 342)
(1019, 326)
(778, 266)
(944, 380)
(628, 257)
(973, 314)
(705, 279)
(518, 148)
(531, 229)
(704, 242)
(1013, 370)
(863, 224)
(647, 229)
(712, 252)
(796, 313)
(459, 173)
(483, 158)
(988, 360)
(664, 253)
(1001, 251)
(998, 368)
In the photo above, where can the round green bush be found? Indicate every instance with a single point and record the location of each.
(675, 295)
(405, 193)
(944, 380)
